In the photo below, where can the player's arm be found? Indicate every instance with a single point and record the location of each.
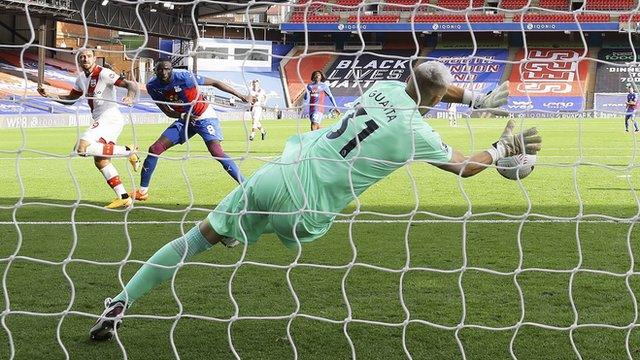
(166, 109)
(132, 90)
(226, 88)
(68, 99)
(327, 91)
(509, 144)
(491, 100)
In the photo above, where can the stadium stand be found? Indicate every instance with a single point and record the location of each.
(629, 17)
(393, 5)
(460, 4)
(513, 4)
(555, 4)
(610, 4)
(456, 18)
(559, 18)
(374, 18)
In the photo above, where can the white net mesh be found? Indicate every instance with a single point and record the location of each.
(423, 265)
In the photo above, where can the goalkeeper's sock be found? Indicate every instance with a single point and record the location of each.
(150, 276)
(113, 179)
(100, 149)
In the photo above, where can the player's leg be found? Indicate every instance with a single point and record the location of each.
(215, 149)
(101, 138)
(626, 122)
(254, 123)
(222, 225)
(257, 116)
(211, 133)
(159, 268)
(635, 123)
(172, 135)
(112, 177)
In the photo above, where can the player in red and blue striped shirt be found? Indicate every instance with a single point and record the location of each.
(176, 93)
(314, 98)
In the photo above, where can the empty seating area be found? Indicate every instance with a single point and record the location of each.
(460, 18)
(374, 18)
(555, 4)
(513, 4)
(409, 5)
(627, 17)
(610, 4)
(317, 19)
(460, 4)
(561, 18)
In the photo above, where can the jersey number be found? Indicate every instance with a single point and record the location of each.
(211, 129)
(371, 127)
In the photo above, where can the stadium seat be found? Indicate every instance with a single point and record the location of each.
(555, 4)
(610, 4)
(627, 17)
(513, 4)
(374, 18)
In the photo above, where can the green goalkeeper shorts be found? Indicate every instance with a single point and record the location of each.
(262, 205)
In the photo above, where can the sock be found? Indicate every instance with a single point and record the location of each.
(150, 276)
(148, 167)
(215, 149)
(144, 189)
(231, 168)
(253, 134)
(150, 163)
(100, 149)
(113, 179)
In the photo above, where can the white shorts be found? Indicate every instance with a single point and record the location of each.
(106, 128)
(256, 116)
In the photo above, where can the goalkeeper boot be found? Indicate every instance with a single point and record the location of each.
(139, 195)
(134, 159)
(229, 242)
(120, 203)
(109, 321)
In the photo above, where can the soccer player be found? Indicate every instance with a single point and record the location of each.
(260, 97)
(298, 195)
(314, 98)
(452, 114)
(99, 140)
(631, 109)
(176, 94)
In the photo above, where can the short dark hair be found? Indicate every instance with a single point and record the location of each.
(160, 62)
(313, 75)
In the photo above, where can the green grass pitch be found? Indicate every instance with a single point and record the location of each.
(449, 273)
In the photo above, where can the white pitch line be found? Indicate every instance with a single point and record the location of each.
(439, 221)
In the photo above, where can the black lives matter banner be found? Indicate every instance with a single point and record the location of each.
(613, 78)
(351, 75)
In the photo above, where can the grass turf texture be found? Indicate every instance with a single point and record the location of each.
(91, 254)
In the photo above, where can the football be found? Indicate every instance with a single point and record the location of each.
(516, 167)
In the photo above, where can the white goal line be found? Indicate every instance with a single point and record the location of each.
(434, 221)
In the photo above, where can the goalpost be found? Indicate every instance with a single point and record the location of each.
(422, 265)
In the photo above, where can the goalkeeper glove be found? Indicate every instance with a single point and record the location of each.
(491, 101)
(527, 142)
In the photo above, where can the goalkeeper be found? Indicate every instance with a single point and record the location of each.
(319, 173)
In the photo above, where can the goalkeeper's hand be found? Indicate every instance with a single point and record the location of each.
(509, 144)
(491, 101)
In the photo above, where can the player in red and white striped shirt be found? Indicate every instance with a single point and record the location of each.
(99, 140)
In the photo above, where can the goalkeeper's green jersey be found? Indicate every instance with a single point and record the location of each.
(332, 166)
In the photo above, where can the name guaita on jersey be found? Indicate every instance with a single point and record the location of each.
(381, 99)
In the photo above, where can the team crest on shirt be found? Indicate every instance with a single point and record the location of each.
(177, 89)
(93, 82)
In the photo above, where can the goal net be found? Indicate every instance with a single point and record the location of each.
(424, 264)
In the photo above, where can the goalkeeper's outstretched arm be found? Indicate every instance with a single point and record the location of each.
(509, 144)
